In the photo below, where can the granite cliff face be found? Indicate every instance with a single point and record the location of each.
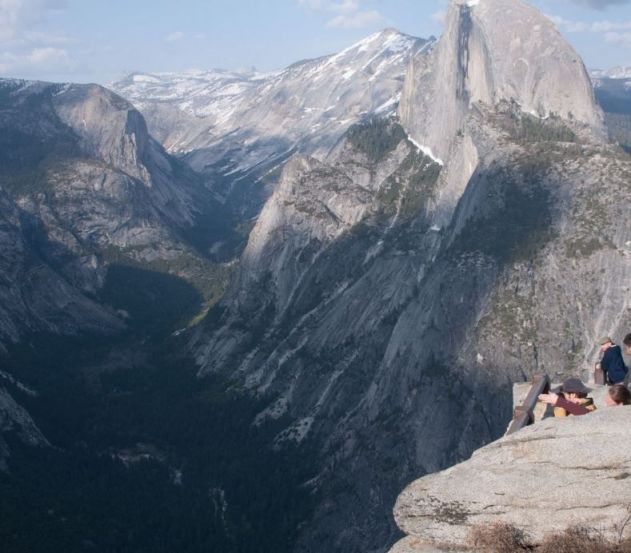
(491, 51)
(83, 186)
(33, 295)
(390, 292)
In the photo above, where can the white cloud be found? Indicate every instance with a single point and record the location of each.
(347, 14)
(35, 37)
(567, 25)
(604, 26)
(17, 16)
(37, 61)
(357, 20)
(607, 26)
(618, 38)
(600, 4)
(41, 56)
(174, 37)
(314, 5)
(26, 50)
(613, 32)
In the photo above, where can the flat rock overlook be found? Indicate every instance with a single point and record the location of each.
(556, 474)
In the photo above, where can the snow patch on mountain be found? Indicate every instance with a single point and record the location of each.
(426, 150)
(244, 120)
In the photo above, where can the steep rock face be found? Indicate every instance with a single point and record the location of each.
(491, 51)
(541, 480)
(34, 296)
(15, 420)
(85, 185)
(238, 124)
(380, 341)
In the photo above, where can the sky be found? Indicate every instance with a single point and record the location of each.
(102, 40)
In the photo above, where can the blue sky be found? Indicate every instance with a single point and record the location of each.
(98, 41)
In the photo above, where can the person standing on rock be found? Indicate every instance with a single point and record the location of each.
(612, 362)
(570, 399)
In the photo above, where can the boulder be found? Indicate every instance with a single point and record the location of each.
(543, 479)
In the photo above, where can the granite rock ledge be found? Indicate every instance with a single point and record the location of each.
(550, 476)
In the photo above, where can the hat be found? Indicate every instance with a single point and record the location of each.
(605, 340)
(573, 386)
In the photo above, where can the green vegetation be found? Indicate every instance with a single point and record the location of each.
(517, 223)
(525, 128)
(79, 496)
(411, 186)
(591, 218)
(190, 285)
(153, 300)
(376, 137)
(619, 126)
(501, 537)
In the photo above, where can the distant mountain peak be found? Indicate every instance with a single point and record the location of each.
(211, 116)
(618, 72)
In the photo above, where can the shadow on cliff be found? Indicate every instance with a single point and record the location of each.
(414, 408)
(152, 303)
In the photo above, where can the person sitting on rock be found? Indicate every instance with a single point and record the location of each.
(570, 399)
(618, 395)
(627, 346)
(612, 363)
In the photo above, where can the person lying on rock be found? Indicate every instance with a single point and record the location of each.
(618, 395)
(612, 362)
(570, 399)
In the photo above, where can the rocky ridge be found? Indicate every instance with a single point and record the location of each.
(235, 127)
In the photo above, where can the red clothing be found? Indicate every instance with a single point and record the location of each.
(572, 408)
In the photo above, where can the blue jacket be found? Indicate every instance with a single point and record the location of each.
(613, 365)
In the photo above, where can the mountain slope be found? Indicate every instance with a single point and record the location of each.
(236, 127)
(103, 235)
(387, 298)
(88, 188)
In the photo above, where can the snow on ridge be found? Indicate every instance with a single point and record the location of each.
(426, 150)
(310, 103)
